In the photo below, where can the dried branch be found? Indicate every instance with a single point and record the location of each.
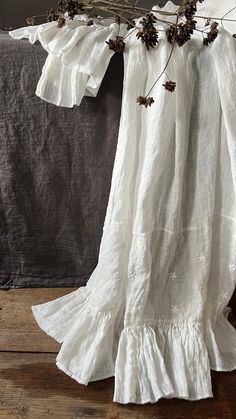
(145, 22)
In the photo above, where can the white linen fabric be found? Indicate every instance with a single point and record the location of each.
(154, 311)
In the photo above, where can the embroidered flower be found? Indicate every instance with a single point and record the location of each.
(173, 276)
(231, 267)
(202, 288)
(202, 257)
(174, 309)
(224, 295)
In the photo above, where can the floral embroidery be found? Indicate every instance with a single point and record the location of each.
(224, 295)
(231, 267)
(174, 309)
(202, 257)
(202, 288)
(173, 276)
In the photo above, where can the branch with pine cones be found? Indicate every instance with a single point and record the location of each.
(144, 22)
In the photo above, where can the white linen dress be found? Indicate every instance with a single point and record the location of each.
(154, 311)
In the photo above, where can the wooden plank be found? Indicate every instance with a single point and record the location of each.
(33, 387)
(18, 328)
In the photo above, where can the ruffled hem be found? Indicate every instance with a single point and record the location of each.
(220, 340)
(78, 57)
(149, 361)
(56, 317)
(89, 338)
(164, 360)
(61, 85)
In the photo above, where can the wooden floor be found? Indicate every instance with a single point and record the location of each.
(31, 386)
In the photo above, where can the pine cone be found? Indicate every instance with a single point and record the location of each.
(61, 21)
(131, 25)
(148, 34)
(170, 85)
(182, 32)
(31, 21)
(52, 15)
(212, 35)
(117, 44)
(146, 101)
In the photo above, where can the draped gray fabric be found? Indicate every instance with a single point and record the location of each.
(55, 173)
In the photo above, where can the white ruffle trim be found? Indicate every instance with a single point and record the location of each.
(220, 340)
(149, 361)
(89, 338)
(165, 360)
(78, 57)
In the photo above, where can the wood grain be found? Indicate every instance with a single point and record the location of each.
(19, 330)
(32, 387)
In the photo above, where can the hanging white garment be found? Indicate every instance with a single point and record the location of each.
(154, 311)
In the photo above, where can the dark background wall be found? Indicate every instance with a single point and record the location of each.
(14, 12)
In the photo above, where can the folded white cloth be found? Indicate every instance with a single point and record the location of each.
(78, 57)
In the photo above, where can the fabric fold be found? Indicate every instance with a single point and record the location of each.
(61, 85)
(89, 337)
(32, 33)
(87, 353)
(57, 316)
(225, 70)
(221, 342)
(140, 372)
(78, 57)
(162, 360)
(149, 362)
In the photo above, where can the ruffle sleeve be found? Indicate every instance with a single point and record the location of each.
(78, 57)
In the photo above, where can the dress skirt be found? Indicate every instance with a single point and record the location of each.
(154, 313)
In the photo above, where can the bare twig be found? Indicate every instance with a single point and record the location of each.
(168, 60)
(128, 12)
